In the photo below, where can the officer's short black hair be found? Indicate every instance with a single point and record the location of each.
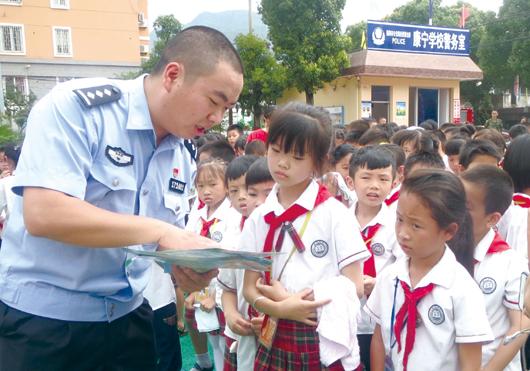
(219, 149)
(425, 159)
(199, 49)
(258, 173)
(496, 184)
(239, 167)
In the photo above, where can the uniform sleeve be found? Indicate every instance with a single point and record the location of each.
(373, 305)
(350, 246)
(227, 279)
(248, 241)
(471, 321)
(516, 267)
(57, 151)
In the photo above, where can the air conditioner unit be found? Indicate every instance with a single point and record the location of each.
(143, 24)
(140, 17)
(144, 48)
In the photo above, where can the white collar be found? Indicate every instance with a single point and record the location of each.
(219, 214)
(306, 199)
(441, 274)
(382, 217)
(482, 248)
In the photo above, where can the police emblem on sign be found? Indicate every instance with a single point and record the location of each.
(436, 314)
(118, 156)
(319, 248)
(378, 249)
(378, 36)
(217, 236)
(488, 285)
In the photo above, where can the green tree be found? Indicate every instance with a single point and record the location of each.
(355, 32)
(265, 78)
(17, 106)
(165, 26)
(307, 39)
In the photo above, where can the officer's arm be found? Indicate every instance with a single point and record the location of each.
(56, 216)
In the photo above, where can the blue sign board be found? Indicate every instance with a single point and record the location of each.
(412, 38)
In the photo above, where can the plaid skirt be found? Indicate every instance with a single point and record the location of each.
(190, 315)
(295, 348)
(229, 359)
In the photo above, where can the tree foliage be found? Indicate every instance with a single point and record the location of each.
(355, 32)
(165, 26)
(16, 108)
(307, 39)
(265, 78)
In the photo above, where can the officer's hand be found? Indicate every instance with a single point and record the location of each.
(190, 281)
(175, 238)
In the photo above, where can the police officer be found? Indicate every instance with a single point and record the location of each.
(105, 165)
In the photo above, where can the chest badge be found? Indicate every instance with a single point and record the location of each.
(378, 249)
(319, 248)
(175, 172)
(436, 314)
(118, 156)
(217, 236)
(488, 285)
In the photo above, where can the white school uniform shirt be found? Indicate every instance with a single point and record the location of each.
(217, 230)
(499, 278)
(452, 313)
(393, 206)
(330, 243)
(512, 227)
(386, 250)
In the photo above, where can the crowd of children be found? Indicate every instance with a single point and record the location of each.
(423, 229)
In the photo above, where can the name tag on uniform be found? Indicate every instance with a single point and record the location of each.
(268, 331)
(176, 186)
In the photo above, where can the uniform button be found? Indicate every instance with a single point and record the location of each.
(116, 182)
(128, 273)
(111, 313)
(178, 208)
(112, 306)
(146, 192)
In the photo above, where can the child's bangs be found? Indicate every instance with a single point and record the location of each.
(297, 135)
(210, 172)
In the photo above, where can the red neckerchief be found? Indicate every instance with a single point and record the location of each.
(369, 265)
(206, 226)
(201, 204)
(522, 200)
(497, 245)
(243, 220)
(410, 309)
(289, 215)
(389, 201)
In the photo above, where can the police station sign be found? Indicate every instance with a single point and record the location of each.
(412, 38)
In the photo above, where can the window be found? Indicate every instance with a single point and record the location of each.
(15, 83)
(60, 4)
(11, 2)
(62, 42)
(12, 41)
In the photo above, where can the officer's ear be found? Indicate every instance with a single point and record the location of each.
(172, 72)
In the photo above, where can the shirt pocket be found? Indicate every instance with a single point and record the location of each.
(114, 189)
(174, 209)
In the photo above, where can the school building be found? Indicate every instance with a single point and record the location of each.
(407, 74)
(45, 42)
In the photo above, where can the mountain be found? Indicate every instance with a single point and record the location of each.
(229, 22)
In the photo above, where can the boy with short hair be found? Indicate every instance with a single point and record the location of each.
(218, 149)
(423, 160)
(233, 133)
(256, 148)
(479, 151)
(242, 173)
(372, 173)
(498, 268)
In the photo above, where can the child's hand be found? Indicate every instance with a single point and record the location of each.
(275, 292)
(331, 183)
(256, 323)
(238, 324)
(369, 283)
(208, 304)
(297, 308)
(190, 300)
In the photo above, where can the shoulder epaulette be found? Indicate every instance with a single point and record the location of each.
(192, 149)
(96, 95)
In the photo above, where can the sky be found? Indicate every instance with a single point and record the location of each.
(354, 11)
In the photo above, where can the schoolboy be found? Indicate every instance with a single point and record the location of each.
(352, 137)
(226, 285)
(498, 268)
(233, 133)
(423, 160)
(399, 155)
(479, 151)
(256, 148)
(373, 136)
(219, 148)
(452, 151)
(247, 177)
(372, 173)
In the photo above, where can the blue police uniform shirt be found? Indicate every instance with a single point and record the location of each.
(107, 156)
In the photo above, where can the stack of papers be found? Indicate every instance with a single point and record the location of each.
(203, 260)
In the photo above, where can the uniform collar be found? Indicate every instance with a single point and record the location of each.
(306, 199)
(482, 248)
(220, 213)
(139, 116)
(441, 274)
(382, 217)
